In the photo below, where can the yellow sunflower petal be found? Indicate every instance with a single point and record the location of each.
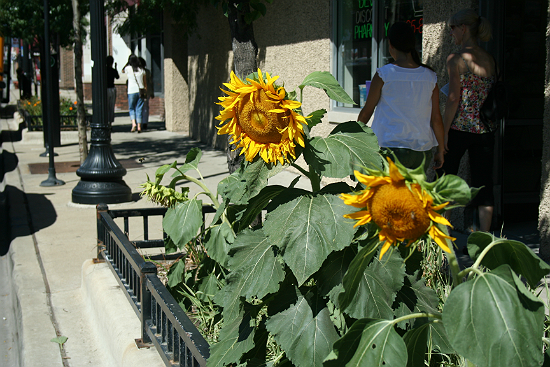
(371, 181)
(363, 217)
(438, 218)
(384, 248)
(395, 175)
(440, 238)
(440, 206)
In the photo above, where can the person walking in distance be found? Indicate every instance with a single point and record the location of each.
(112, 74)
(472, 73)
(136, 81)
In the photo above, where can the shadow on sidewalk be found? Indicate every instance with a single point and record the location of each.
(159, 151)
(22, 215)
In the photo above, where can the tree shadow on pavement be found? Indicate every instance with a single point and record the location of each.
(18, 221)
(159, 151)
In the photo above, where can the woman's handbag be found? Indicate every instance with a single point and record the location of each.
(495, 106)
(142, 91)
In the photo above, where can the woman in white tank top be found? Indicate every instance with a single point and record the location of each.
(405, 94)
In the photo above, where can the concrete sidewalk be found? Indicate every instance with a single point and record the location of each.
(57, 290)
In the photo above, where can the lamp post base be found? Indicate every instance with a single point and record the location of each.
(52, 181)
(108, 192)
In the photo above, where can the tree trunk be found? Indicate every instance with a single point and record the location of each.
(245, 52)
(80, 110)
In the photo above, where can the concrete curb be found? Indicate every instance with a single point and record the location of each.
(113, 318)
(32, 310)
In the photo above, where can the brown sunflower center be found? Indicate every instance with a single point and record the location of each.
(396, 209)
(255, 119)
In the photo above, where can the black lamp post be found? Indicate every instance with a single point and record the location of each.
(101, 174)
(51, 180)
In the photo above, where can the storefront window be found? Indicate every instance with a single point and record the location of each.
(362, 47)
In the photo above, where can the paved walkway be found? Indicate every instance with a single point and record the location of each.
(51, 287)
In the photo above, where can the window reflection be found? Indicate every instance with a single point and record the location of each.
(361, 31)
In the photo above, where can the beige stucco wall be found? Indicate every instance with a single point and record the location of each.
(544, 208)
(176, 91)
(293, 40)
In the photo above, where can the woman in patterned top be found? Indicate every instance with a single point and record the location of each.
(471, 74)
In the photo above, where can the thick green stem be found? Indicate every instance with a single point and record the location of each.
(469, 272)
(202, 186)
(483, 253)
(312, 175)
(453, 264)
(416, 316)
(302, 171)
(315, 180)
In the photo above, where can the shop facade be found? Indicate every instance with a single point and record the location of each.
(347, 38)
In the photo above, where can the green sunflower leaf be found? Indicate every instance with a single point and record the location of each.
(326, 81)
(369, 343)
(192, 160)
(439, 339)
(415, 296)
(236, 338)
(255, 271)
(188, 213)
(339, 154)
(306, 338)
(494, 321)
(161, 171)
(208, 287)
(521, 258)
(247, 181)
(333, 270)
(176, 274)
(453, 188)
(218, 242)
(370, 293)
(314, 118)
(415, 340)
(258, 203)
(307, 229)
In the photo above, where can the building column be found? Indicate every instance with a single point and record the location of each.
(176, 88)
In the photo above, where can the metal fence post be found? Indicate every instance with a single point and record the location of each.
(100, 208)
(146, 268)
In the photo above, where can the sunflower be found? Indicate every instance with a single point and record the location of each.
(402, 211)
(260, 119)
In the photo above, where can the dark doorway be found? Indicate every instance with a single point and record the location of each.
(519, 44)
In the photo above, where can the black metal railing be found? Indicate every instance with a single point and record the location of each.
(163, 323)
